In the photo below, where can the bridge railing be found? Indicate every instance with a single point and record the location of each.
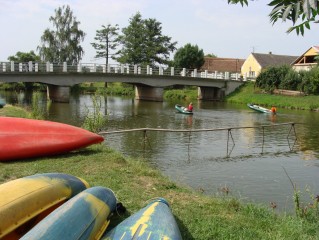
(14, 67)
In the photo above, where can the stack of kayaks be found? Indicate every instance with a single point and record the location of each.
(61, 206)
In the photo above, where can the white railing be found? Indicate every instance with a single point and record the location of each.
(114, 68)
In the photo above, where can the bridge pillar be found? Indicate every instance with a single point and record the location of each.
(149, 93)
(210, 93)
(58, 93)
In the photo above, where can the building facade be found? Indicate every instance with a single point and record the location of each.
(256, 62)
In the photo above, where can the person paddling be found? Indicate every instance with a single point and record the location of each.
(190, 107)
(273, 110)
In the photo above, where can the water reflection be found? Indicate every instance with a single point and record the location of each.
(251, 168)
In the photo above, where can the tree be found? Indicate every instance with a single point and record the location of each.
(63, 43)
(292, 10)
(108, 40)
(24, 57)
(144, 44)
(189, 57)
(212, 55)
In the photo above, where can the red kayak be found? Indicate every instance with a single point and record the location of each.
(22, 138)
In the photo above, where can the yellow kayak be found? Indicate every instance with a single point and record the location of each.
(25, 201)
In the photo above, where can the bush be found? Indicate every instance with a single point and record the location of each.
(284, 77)
(271, 78)
(310, 81)
(291, 81)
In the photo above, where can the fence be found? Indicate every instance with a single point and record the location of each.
(13, 67)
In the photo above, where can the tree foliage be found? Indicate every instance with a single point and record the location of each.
(107, 41)
(63, 43)
(270, 78)
(24, 57)
(284, 77)
(212, 55)
(293, 10)
(189, 56)
(143, 43)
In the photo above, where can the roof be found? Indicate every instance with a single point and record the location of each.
(213, 64)
(266, 60)
(317, 48)
(296, 61)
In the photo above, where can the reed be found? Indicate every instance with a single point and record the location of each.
(95, 119)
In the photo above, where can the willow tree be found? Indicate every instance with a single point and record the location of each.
(107, 42)
(62, 44)
(293, 10)
(144, 44)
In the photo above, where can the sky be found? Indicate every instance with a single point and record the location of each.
(228, 31)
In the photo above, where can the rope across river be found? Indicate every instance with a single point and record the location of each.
(228, 129)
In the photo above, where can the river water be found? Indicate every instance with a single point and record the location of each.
(254, 164)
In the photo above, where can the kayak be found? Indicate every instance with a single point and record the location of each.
(182, 109)
(2, 103)
(259, 108)
(29, 199)
(85, 216)
(28, 138)
(155, 221)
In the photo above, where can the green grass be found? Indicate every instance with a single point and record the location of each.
(12, 111)
(120, 89)
(248, 94)
(135, 183)
(187, 94)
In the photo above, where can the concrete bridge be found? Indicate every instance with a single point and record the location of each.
(149, 83)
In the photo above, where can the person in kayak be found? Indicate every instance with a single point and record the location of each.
(190, 107)
(273, 110)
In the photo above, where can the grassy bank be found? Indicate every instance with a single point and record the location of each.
(135, 183)
(248, 94)
(120, 89)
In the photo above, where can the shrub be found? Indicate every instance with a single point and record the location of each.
(291, 80)
(270, 78)
(310, 81)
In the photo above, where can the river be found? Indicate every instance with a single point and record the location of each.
(253, 164)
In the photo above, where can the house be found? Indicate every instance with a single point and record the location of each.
(307, 60)
(256, 62)
(231, 65)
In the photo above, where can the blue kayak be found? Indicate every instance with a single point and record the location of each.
(2, 103)
(182, 109)
(85, 216)
(155, 221)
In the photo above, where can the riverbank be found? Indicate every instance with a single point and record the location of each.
(248, 93)
(135, 183)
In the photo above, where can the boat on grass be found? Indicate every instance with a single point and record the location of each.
(155, 221)
(2, 103)
(26, 201)
(85, 216)
(259, 108)
(23, 138)
(182, 109)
